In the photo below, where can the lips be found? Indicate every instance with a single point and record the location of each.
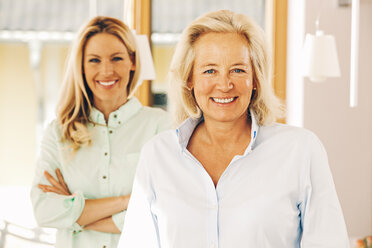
(223, 100)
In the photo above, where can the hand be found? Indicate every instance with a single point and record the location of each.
(58, 187)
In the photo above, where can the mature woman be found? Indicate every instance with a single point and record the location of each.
(228, 176)
(95, 140)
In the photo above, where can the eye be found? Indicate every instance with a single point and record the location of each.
(94, 60)
(210, 71)
(117, 58)
(238, 70)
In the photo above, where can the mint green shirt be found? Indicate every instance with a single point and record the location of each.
(103, 169)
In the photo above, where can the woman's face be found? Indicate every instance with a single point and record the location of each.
(222, 76)
(107, 67)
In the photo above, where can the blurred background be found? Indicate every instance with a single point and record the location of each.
(35, 36)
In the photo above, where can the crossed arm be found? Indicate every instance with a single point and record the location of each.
(97, 213)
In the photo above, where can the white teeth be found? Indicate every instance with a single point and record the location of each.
(223, 100)
(107, 83)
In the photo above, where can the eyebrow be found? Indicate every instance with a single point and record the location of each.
(236, 64)
(210, 64)
(240, 63)
(95, 55)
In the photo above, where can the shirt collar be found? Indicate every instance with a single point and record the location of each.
(119, 116)
(185, 130)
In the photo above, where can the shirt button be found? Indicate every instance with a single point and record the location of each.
(104, 246)
(115, 115)
(106, 153)
(104, 177)
(119, 122)
(110, 131)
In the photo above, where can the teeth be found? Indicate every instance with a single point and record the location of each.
(107, 83)
(223, 100)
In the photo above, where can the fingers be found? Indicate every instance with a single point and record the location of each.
(62, 181)
(47, 188)
(53, 181)
(59, 186)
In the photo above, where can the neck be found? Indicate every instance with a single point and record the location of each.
(107, 107)
(217, 133)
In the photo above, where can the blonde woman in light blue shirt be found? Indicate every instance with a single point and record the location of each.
(229, 176)
(89, 154)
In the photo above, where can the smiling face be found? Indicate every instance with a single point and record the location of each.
(222, 76)
(107, 67)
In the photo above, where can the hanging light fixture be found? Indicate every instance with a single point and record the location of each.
(320, 56)
(143, 46)
(147, 63)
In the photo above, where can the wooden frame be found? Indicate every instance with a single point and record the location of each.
(142, 24)
(276, 27)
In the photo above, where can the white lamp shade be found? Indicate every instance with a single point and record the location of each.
(320, 57)
(147, 64)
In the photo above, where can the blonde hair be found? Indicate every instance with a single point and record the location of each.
(264, 103)
(76, 98)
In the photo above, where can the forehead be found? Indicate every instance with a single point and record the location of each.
(104, 43)
(221, 47)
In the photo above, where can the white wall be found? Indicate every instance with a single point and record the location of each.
(346, 132)
(19, 140)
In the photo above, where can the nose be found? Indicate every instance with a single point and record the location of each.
(224, 83)
(107, 68)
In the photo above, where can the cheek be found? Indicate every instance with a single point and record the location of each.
(124, 74)
(202, 89)
(123, 68)
(89, 71)
(245, 85)
(203, 86)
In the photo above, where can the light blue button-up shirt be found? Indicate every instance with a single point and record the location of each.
(103, 169)
(278, 194)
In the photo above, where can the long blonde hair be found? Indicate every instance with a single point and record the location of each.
(76, 98)
(264, 102)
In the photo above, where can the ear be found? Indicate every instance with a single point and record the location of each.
(133, 59)
(190, 85)
(133, 67)
(254, 82)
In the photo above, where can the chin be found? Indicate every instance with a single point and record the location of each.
(228, 117)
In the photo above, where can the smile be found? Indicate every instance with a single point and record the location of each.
(107, 83)
(223, 100)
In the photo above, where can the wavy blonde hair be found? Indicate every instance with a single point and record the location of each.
(76, 98)
(264, 103)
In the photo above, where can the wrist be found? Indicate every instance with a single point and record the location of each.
(124, 202)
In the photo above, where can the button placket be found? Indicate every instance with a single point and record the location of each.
(107, 159)
(214, 205)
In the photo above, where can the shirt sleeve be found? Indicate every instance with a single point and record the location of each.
(140, 227)
(118, 219)
(50, 209)
(322, 221)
